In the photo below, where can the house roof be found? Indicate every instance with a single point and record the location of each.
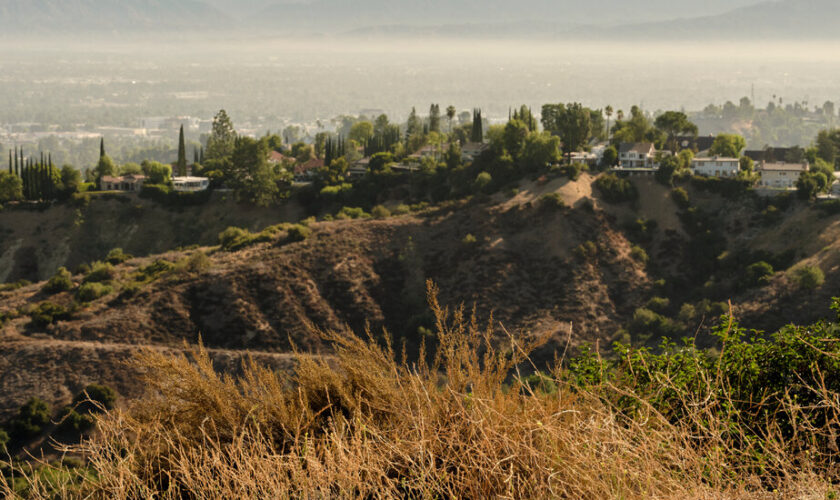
(473, 147)
(636, 147)
(123, 178)
(716, 158)
(309, 165)
(277, 157)
(785, 167)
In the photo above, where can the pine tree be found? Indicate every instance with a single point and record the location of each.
(182, 154)
(195, 156)
(434, 118)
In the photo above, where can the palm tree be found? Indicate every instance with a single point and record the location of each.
(608, 111)
(450, 113)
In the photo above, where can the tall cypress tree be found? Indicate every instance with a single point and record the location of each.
(10, 163)
(101, 148)
(182, 154)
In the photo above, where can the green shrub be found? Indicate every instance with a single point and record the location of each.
(809, 277)
(380, 212)
(469, 240)
(73, 422)
(587, 250)
(351, 213)
(155, 270)
(61, 281)
(100, 272)
(680, 197)
(95, 396)
(553, 200)
(639, 255)
(48, 313)
(758, 274)
(402, 209)
(197, 263)
(117, 256)
(647, 324)
(17, 285)
(233, 237)
(658, 305)
(298, 232)
(615, 189)
(89, 292)
(31, 420)
(573, 171)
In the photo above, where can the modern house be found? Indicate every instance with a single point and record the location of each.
(637, 155)
(131, 183)
(190, 184)
(359, 168)
(781, 175)
(716, 167)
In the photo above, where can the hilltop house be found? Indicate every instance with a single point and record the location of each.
(781, 175)
(637, 155)
(190, 184)
(304, 172)
(131, 183)
(359, 168)
(716, 167)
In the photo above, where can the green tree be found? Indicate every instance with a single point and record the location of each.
(11, 187)
(250, 175)
(673, 123)
(222, 140)
(181, 165)
(434, 118)
(157, 173)
(71, 180)
(515, 134)
(728, 145)
(539, 152)
(808, 186)
(361, 132)
(31, 419)
(450, 114)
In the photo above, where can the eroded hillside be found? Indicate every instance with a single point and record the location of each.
(568, 265)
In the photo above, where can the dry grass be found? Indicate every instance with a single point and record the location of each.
(366, 425)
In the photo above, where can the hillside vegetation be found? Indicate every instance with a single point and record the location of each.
(553, 258)
(759, 420)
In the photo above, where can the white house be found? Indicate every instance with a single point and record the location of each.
(190, 184)
(716, 167)
(781, 175)
(131, 183)
(637, 155)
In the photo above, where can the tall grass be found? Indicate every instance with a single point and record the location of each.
(366, 423)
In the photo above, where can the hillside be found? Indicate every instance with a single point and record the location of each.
(570, 273)
(35, 242)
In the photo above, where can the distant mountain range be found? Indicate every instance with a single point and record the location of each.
(542, 18)
(73, 16)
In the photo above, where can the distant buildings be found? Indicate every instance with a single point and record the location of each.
(716, 167)
(778, 175)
